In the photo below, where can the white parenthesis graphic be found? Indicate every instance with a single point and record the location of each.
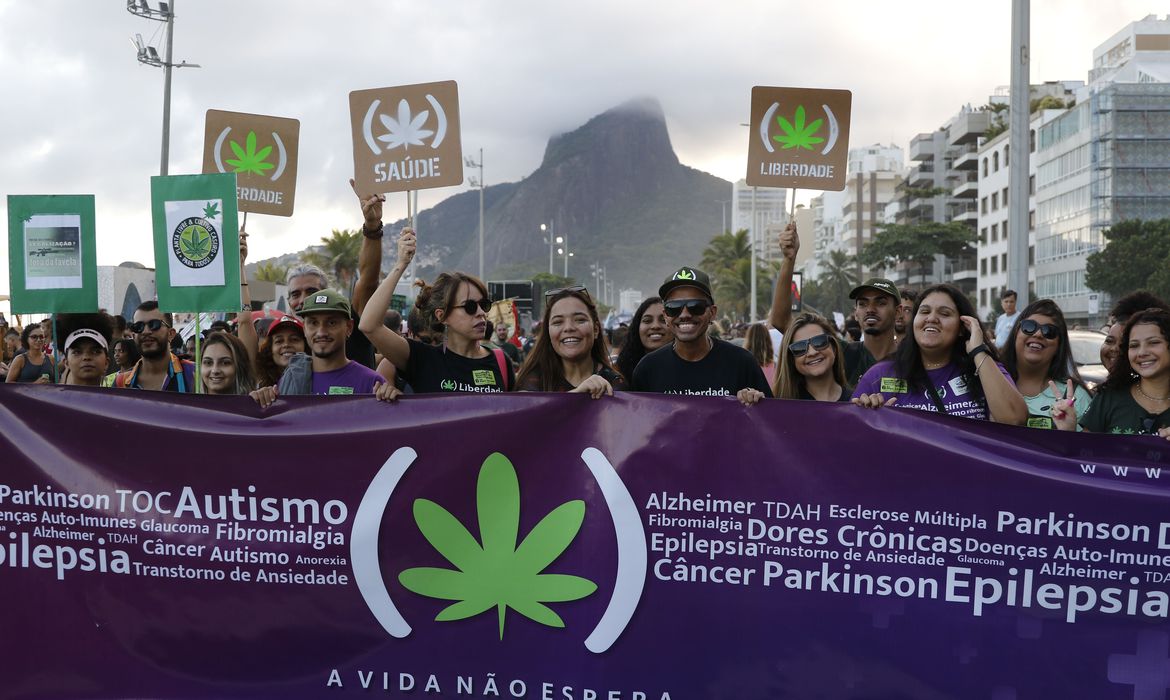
(764, 126)
(631, 541)
(363, 547)
(834, 132)
(283, 157)
(441, 131)
(367, 128)
(219, 145)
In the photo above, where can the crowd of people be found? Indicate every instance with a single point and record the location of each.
(924, 351)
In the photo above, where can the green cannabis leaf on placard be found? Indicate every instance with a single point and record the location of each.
(248, 159)
(497, 573)
(195, 242)
(796, 133)
(211, 210)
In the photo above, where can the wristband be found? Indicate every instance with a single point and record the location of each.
(982, 347)
(375, 234)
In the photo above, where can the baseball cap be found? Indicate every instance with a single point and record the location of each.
(687, 277)
(326, 300)
(285, 321)
(876, 283)
(86, 334)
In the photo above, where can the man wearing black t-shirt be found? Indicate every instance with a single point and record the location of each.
(696, 364)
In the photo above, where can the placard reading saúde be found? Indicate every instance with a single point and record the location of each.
(261, 151)
(799, 138)
(406, 137)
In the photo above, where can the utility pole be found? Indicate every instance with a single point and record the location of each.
(470, 162)
(752, 239)
(1018, 142)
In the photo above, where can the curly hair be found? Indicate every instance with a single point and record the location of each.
(1122, 375)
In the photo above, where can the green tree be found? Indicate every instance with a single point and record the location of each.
(837, 280)
(727, 259)
(917, 244)
(1136, 256)
(338, 256)
(271, 272)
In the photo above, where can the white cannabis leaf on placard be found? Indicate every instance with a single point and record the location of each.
(405, 131)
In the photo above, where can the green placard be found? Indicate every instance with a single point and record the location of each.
(52, 260)
(196, 242)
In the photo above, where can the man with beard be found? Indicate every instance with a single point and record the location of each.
(875, 309)
(903, 322)
(159, 369)
(328, 324)
(696, 364)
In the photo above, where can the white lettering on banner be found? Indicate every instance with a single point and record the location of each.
(796, 170)
(253, 194)
(407, 169)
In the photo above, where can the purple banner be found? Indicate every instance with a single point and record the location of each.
(552, 546)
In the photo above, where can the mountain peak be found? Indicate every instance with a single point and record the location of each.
(633, 131)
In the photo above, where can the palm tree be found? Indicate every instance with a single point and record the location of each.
(338, 255)
(727, 259)
(271, 272)
(839, 278)
(724, 250)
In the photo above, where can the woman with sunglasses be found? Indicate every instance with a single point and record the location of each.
(34, 366)
(455, 305)
(570, 356)
(1135, 398)
(652, 331)
(1038, 356)
(944, 366)
(812, 366)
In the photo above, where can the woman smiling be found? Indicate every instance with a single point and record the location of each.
(570, 355)
(811, 364)
(1038, 356)
(944, 366)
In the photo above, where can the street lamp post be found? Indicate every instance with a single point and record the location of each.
(564, 240)
(549, 230)
(470, 162)
(148, 55)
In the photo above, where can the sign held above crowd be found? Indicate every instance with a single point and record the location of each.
(799, 138)
(52, 259)
(406, 137)
(261, 151)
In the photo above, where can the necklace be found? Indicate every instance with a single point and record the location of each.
(934, 366)
(1151, 398)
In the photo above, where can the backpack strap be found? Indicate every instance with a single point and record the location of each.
(500, 360)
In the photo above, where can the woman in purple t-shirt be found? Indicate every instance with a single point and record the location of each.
(944, 366)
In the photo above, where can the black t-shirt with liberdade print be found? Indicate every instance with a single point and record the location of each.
(431, 370)
(724, 371)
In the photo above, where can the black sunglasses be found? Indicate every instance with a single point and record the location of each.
(153, 324)
(696, 307)
(575, 289)
(1048, 330)
(800, 347)
(470, 305)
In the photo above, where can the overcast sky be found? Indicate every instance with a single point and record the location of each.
(81, 116)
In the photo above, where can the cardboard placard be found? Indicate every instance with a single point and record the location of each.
(261, 151)
(406, 137)
(52, 259)
(799, 138)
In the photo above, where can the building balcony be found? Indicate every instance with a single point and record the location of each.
(966, 213)
(967, 127)
(922, 147)
(921, 175)
(967, 158)
(964, 185)
(921, 206)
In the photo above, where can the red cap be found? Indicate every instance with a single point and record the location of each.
(283, 321)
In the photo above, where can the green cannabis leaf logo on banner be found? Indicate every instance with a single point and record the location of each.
(248, 159)
(195, 242)
(211, 210)
(497, 573)
(796, 133)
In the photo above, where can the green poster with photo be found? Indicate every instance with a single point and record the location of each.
(196, 242)
(52, 261)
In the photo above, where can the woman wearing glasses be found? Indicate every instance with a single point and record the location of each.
(570, 355)
(944, 366)
(1038, 356)
(812, 367)
(1135, 399)
(33, 366)
(456, 306)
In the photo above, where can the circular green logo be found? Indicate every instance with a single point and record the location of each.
(195, 242)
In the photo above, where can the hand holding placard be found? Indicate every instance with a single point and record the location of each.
(371, 208)
(407, 244)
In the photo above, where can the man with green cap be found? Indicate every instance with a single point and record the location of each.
(875, 306)
(696, 364)
(328, 323)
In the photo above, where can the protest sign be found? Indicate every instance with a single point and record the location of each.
(52, 258)
(635, 547)
(261, 151)
(799, 137)
(406, 137)
(196, 242)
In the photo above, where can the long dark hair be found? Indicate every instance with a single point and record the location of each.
(788, 381)
(1122, 375)
(1063, 367)
(633, 351)
(442, 293)
(543, 364)
(131, 348)
(908, 357)
(245, 377)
